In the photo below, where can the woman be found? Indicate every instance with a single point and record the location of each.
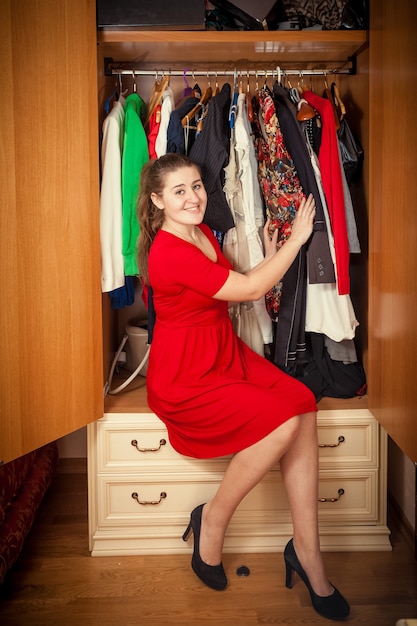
(214, 394)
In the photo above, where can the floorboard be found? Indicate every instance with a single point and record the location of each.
(57, 583)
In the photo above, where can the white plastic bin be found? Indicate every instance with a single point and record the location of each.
(137, 344)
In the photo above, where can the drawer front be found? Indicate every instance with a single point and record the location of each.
(169, 498)
(129, 442)
(348, 497)
(348, 441)
(161, 500)
(127, 447)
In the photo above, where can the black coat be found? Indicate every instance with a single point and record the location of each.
(211, 152)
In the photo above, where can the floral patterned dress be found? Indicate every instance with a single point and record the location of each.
(279, 181)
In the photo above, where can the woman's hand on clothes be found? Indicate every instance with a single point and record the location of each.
(301, 229)
(303, 224)
(270, 243)
(255, 283)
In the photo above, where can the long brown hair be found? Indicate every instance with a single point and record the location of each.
(152, 180)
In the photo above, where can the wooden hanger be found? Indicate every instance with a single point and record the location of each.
(265, 80)
(328, 94)
(216, 89)
(255, 97)
(338, 102)
(304, 110)
(204, 100)
(196, 91)
(156, 95)
(249, 107)
(200, 122)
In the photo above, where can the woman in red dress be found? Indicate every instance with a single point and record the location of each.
(215, 395)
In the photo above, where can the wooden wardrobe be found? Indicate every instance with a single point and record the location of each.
(57, 330)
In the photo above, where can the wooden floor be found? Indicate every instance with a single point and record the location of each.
(57, 583)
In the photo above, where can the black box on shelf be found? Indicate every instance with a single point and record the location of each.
(253, 15)
(151, 15)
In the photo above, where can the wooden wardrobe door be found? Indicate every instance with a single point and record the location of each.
(50, 313)
(393, 222)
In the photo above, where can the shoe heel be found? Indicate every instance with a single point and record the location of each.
(288, 575)
(211, 575)
(187, 532)
(334, 606)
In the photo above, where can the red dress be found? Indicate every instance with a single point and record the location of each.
(214, 394)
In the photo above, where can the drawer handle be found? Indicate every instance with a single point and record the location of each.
(332, 445)
(135, 496)
(339, 491)
(135, 444)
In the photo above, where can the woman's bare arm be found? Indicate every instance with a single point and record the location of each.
(256, 282)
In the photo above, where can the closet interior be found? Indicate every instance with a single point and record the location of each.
(139, 489)
(147, 62)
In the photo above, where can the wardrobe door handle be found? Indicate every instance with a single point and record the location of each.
(135, 496)
(340, 440)
(339, 491)
(135, 444)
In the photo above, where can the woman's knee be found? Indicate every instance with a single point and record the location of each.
(309, 420)
(290, 429)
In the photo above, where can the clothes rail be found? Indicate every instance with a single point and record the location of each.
(111, 68)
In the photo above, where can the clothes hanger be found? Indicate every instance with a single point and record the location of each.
(216, 89)
(200, 122)
(309, 88)
(249, 107)
(293, 93)
(328, 94)
(201, 119)
(305, 110)
(255, 97)
(233, 107)
(156, 94)
(265, 85)
(203, 101)
(284, 80)
(114, 95)
(196, 89)
(118, 91)
(240, 85)
(187, 91)
(338, 102)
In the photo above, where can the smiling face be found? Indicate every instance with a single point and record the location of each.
(183, 199)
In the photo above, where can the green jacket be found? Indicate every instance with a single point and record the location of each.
(135, 155)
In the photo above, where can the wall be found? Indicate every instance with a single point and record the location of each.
(401, 482)
(74, 445)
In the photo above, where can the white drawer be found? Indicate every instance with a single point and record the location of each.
(350, 496)
(183, 492)
(131, 441)
(127, 442)
(347, 439)
(166, 499)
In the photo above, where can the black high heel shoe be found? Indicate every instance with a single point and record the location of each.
(212, 575)
(333, 607)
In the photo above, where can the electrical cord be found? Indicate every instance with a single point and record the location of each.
(108, 389)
